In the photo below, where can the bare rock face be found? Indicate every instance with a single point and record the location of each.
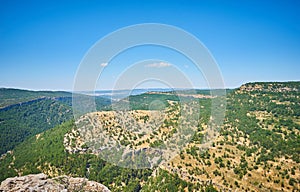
(41, 182)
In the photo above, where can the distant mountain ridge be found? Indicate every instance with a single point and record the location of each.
(32, 101)
(9, 96)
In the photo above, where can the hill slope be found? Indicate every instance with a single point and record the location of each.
(259, 144)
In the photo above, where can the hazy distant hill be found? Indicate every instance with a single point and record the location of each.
(257, 150)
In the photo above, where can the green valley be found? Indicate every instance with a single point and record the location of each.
(257, 148)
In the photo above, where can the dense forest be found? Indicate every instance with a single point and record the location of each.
(21, 121)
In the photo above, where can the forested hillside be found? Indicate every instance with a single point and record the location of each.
(257, 150)
(25, 113)
(21, 121)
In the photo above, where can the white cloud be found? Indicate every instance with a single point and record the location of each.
(103, 64)
(159, 65)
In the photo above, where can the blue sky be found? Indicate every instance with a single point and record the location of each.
(43, 42)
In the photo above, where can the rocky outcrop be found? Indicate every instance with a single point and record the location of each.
(270, 87)
(41, 182)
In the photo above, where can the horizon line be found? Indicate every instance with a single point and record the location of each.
(143, 88)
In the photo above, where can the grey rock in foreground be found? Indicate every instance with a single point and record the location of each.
(41, 182)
